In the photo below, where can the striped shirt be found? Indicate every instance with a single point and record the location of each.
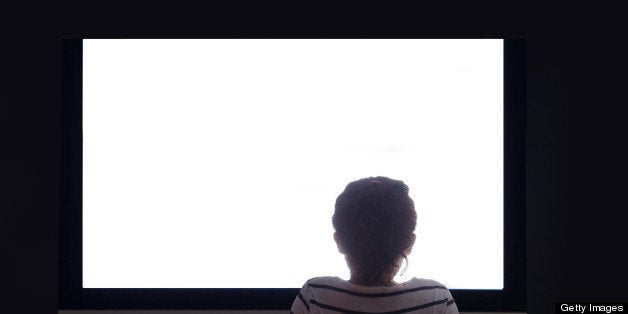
(334, 295)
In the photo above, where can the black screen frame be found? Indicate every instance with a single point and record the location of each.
(73, 296)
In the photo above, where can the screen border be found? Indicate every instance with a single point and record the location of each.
(73, 296)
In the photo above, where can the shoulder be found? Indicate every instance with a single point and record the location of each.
(325, 283)
(441, 294)
(324, 280)
(439, 289)
(422, 282)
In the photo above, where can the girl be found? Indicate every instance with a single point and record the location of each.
(374, 222)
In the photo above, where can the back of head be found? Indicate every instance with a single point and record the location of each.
(374, 220)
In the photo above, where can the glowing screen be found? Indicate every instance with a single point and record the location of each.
(216, 163)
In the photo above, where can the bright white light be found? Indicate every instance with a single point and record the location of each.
(216, 163)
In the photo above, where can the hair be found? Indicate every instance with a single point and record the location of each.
(374, 219)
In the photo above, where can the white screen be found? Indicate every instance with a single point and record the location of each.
(216, 163)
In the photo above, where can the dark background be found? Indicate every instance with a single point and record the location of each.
(576, 131)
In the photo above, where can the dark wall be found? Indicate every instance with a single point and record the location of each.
(576, 130)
